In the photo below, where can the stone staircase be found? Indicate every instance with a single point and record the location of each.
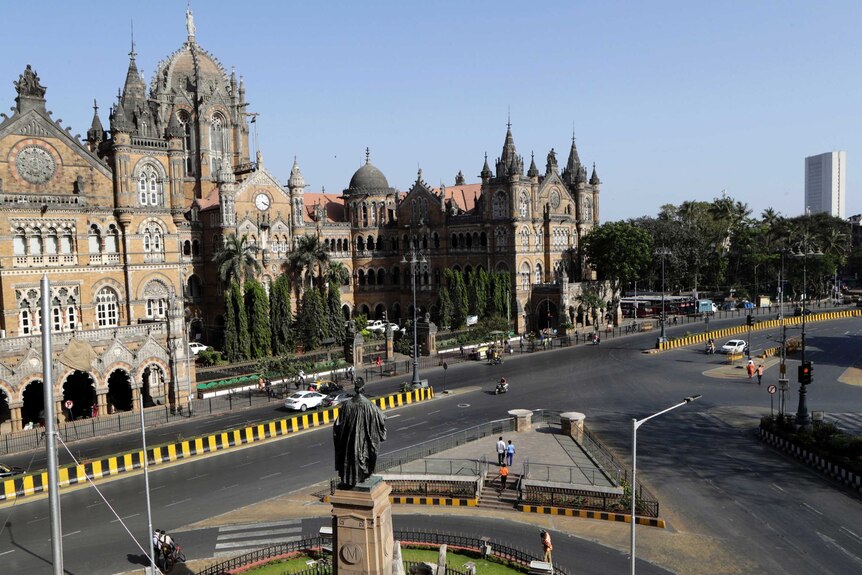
(491, 498)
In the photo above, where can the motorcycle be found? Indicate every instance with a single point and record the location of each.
(710, 349)
(501, 388)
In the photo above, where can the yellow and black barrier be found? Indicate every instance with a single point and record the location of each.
(415, 500)
(760, 325)
(585, 514)
(34, 483)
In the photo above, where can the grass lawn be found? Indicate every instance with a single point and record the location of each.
(454, 560)
(457, 560)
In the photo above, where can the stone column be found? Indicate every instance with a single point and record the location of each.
(572, 424)
(17, 424)
(390, 343)
(523, 419)
(363, 542)
(102, 402)
(136, 399)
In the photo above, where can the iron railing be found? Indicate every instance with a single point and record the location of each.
(467, 467)
(312, 544)
(571, 474)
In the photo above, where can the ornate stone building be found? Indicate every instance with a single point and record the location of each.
(126, 223)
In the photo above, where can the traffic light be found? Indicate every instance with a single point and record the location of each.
(805, 372)
(749, 320)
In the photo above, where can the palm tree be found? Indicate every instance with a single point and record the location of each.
(237, 261)
(310, 255)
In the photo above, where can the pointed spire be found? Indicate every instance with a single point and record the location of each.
(486, 170)
(96, 133)
(533, 172)
(119, 122)
(296, 181)
(594, 179)
(573, 164)
(581, 175)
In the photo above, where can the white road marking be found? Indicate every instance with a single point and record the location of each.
(124, 518)
(72, 533)
(178, 502)
(35, 520)
(231, 486)
(8, 552)
(433, 412)
(197, 477)
(279, 455)
(156, 488)
(393, 416)
(778, 488)
(811, 508)
(310, 464)
(409, 426)
(844, 529)
(270, 475)
(832, 542)
(256, 525)
(246, 535)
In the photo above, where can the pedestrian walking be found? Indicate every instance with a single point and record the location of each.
(504, 477)
(547, 547)
(759, 373)
(510, 453)
(501, 451)
(750, 369)
(461, 349)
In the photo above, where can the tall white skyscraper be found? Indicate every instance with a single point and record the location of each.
(825, 176)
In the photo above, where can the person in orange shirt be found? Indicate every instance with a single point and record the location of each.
(750, 369)
(547, 547)
(504, 477)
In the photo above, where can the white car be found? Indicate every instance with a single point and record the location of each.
(734, 346)
(196, 347)
(379, 326)
(303, 400)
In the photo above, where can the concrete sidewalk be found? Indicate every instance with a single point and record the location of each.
(680, 548)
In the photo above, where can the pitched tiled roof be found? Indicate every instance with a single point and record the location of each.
(463, 196)
(333, 206)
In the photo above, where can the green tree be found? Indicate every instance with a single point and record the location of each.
(231, 338)
(310, 319)
(443, 309)
(458, 295)
(620, 252)
(243, 339)
(257, 309)
(281, 316)
(593, 300)
(236, 260)
(309, 256)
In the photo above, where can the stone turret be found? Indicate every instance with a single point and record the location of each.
(96, 133)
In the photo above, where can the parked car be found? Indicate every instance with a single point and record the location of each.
(734, 346)
(336, 398)
(7, 471)
(379, 326)
(303, 400)
(197, 347)
(325, 386)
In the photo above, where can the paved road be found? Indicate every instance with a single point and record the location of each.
(714, 478)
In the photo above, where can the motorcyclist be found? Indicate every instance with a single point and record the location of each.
(503, 385)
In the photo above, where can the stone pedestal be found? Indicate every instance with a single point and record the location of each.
(426, 333)
(390, 343)
(363, 542)
(572, 424)
(523, 419)
(354, 347)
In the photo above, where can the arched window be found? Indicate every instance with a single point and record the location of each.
(185, 122)
(94, 240)
(501, 236)
(499, 205)
(112, 239)
(25, 319)
(525, 238)
(218, 142)
(51, 242)
(106, 308)
(588, 210)
(71, 315)
(156, 308)
(19, 243)
(196, 248)
(381, 277)
(525, 276)
(149, 186)
(187, 248)
(36, 243)
(524, 205)
(66, 241)
(539, 277)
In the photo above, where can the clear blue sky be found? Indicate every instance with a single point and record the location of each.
(673, 101)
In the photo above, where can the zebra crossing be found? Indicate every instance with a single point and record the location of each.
(847, 422)
(239, 539)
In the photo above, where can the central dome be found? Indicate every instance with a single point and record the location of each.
(368, 179)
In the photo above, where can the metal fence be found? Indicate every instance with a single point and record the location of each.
(90, 427)
(408, 565)
(571, 474)
(428, 448)
(407, 537)
(466, 467)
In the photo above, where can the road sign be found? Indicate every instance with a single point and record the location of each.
(783, 383)
(771, 389)
(68, 404)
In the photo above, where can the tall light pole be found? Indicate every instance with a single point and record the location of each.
(662, 252)
(635, 424)
(802, 418)
(415, 258)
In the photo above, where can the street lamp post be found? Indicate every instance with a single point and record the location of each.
(802, 418)
(414, 259)
(662, 252)
(635, 424)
